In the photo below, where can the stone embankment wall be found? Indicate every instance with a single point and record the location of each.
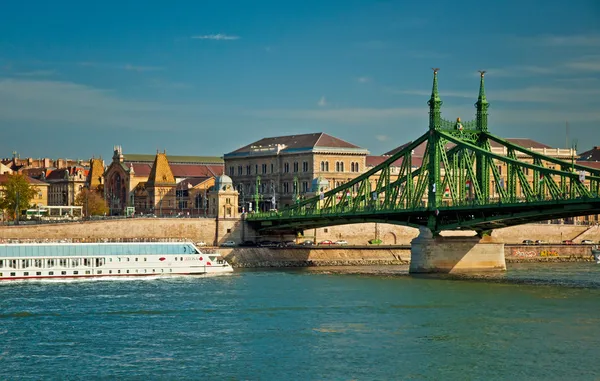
(301, 257)
(204, 229)
(547, 253)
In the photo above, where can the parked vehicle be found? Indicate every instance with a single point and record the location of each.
(248, 244)
(307, 242)
(201, 243)
(286, 244)
(375, 241)
(567, 242)
(267, 244)
(341, 242)
(228, 244)
(528, 242)
(540, 242)
(587, 242)
(326, 242)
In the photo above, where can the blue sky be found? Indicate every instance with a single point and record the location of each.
(205, 78)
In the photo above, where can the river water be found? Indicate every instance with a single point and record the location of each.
(535, 322)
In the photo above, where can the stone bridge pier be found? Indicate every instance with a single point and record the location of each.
(440, 254)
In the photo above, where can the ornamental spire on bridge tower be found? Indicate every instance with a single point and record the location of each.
(435, 104)
(482, 106)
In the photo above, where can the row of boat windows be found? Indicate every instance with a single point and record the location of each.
(63, 262)
(59, 250)
(86, 272)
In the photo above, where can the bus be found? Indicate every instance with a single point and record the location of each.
(35, 214)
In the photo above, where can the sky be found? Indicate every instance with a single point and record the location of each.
(205, 78)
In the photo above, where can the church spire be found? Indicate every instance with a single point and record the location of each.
(482, 105)
(435, 104)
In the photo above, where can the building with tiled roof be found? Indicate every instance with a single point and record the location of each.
(161, 183)
(95, 178)
(590, 155)
(284, 167)
(39, 199)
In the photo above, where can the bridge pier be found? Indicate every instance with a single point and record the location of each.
(439, 254)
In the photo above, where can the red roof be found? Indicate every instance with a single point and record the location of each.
(590, 155)
(420, 149)
(591, 164)
(294, 142)
(180, 170)
(30, 180)
(373, 161)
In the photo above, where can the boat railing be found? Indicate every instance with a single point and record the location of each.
(91, 240)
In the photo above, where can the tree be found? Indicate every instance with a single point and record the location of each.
(18, 193)
(93, 203)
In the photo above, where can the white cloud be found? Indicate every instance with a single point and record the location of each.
(322, 102)
(128, 67)
(570, 41)
(37, 73)
(363, 79)
(382, 138)
(85, 107)
(587, 63)
(218, 37)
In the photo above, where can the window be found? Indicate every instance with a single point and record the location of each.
(305, 186)
(256, 169)
(500, 169)
(272, 168)
(286, 187)
(63, 273)
(50, 272)
(295, 166)
(352, 167)
(240, 170)
(322, 166)
(248, 170)
(75, 272)
(286, 167)
(264, 168)
(26, 273)
(38, 273)
(305, 166)
(231, 172)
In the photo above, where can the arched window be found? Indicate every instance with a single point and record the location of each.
(337, 166)
(352, 167)
(341, 166)
(322, 166)
(326, 166)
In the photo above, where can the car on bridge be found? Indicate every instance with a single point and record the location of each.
(326, 242)
(528, 242)
(567, 242)
(228, 244)
(341, 242)
(587, 242)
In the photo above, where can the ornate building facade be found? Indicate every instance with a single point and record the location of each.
(160, 184)
(274, 172)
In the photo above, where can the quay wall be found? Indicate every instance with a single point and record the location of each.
(547, 253)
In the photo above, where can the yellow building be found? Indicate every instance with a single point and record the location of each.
(160, 184)
(279, 168)
(41, 196)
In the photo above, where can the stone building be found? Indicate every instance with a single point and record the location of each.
(65, 184)
(280, 169)
(223, 199)
(161, 184)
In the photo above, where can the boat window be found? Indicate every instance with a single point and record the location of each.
(50, 272)
(87, 262)
(12, 274)
(38, 273)
(110, 259)
(63, 273)
(24, 263)
(75, 272)
(128, 259)
(99, 262)
(99, 271)
(175, 258)
(145, 259)
(127, 271)
(136, 259)
(38, 263)
(50, 263)
(87, 272)
(118, 271)
(119, 259)
(63, 262)
(26, 273)
(75, 262)
(181, 258)
(110, 271)
(1, 263)
(12, 263)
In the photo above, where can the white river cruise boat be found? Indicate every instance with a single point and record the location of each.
(20, 261)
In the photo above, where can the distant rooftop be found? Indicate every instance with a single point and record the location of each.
(173, 159)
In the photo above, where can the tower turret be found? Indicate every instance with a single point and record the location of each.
(482, 106)
(435, 104)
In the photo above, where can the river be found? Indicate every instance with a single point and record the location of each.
(535, 322)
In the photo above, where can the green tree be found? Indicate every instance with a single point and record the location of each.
(93, 203)
(17, 195)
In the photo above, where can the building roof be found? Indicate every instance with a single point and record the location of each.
(173, 159)
(591, 164)
(420, 149)
(590, 155)
(373, 161)
(95, 173)
(30, 180)
(161, 171)
(294, 143)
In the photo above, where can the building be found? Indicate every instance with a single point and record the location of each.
(160, 184)
(17, 164)
(39, 199)
(274, 172)
(65, 184)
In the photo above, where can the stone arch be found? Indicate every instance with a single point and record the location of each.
(389, 238)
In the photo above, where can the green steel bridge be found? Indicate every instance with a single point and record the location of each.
(457, 186)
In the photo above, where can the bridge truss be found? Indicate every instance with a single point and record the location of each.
(458, 185)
